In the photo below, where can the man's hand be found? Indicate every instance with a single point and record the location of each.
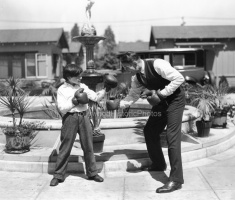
(160, 95)
(145, 94)
(124, 104)
(153, 99)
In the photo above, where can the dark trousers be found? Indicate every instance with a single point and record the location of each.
(166, 114)
(73, 123)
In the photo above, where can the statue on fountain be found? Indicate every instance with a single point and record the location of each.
(88, 29)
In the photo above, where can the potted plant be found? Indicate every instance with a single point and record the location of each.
(221, 106)
(203, 98)
(18, 136)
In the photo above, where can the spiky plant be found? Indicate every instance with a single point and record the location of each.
(95, 116)
(203, 97)
(14, 99)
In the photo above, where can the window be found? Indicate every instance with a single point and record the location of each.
(17, 68)
(36, 65)
(30, 65)
(41, 65)
(186, 59)
(3, 67)
(178, 60)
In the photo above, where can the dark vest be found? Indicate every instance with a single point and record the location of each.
(152, 80)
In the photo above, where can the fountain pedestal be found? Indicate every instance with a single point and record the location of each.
(90, 77)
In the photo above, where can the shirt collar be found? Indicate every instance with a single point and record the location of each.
(142, 71)
(70, 85)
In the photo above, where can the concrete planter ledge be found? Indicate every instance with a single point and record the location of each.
(190, 114)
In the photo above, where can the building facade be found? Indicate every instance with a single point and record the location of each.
(31, 53)
(217, 41)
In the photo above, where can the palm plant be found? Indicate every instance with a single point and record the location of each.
(221, 93)
(203, 97)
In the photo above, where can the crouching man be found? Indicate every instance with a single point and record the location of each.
(158, 82)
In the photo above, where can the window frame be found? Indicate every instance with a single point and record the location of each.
(36, 55)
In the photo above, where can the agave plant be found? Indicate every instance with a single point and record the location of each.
(14, 99)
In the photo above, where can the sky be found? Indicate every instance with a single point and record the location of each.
(130, 20)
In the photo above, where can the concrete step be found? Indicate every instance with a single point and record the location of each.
(117, 157)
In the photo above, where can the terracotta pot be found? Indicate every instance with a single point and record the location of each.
(16, 145)
(203, 128)
(220, 119)
(98, 143)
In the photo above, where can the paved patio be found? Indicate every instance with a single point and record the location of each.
(211, 178)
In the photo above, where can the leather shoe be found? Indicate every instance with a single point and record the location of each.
(96, 178)
(55, 182)
(151, 169)
(169, 187)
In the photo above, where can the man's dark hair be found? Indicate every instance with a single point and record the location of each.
(128, 57)
(71, 70)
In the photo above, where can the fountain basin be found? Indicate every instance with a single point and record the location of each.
(124, 143)
(36, 113)
(124, 150)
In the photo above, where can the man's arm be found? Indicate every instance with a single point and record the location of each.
(134, 93)
(168, 72)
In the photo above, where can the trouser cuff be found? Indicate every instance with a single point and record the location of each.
(176, 180)
(58, 176)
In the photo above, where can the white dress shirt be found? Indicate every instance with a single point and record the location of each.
(165, 70)
(66, 92)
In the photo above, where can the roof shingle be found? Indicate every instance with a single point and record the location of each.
(30, 35)
(167, 32)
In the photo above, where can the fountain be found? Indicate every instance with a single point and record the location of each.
(89, 39)
(90, 77)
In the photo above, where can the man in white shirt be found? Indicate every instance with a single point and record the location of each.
(73, 97)
(160, 83)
